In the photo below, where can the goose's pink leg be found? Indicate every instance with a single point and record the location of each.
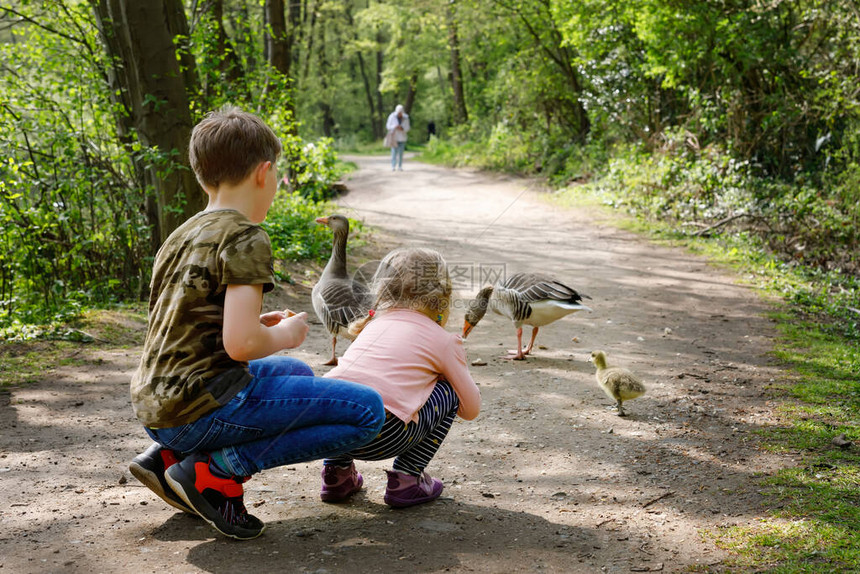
(531, 342)
(333, 360)
(518, 354)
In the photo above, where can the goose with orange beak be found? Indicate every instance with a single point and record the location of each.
(526, 299)
(338, 299)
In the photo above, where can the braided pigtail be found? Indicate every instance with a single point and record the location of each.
(358, 325)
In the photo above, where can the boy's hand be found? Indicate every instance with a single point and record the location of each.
(274, 317)
(248, 335)
(295, 329)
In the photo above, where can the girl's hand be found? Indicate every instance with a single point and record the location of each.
(274, 317)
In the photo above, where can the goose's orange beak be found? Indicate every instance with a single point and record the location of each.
(467, 328)
(322, 220)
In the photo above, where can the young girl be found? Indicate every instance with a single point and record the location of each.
(403, 352)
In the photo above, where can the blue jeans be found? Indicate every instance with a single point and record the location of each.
(285, 415)
(397, 155)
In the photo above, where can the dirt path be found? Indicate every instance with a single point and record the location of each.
(547, 479)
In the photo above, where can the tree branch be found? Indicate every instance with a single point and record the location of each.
(30, 20)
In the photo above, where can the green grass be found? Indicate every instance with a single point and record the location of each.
(24, 363)
(442, 152)
(812, 521)
(29, 359)
(351, 145)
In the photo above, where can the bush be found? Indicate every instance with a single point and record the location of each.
(294, 233)
(446, 152)
(312, 167)
(809, 230)
(72, 223)
(292, 229)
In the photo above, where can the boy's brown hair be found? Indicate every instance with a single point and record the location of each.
(228, 144)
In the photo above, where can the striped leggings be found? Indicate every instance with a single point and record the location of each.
(413, 444)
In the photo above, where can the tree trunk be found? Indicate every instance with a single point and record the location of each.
(323, 69)
(411, 91)
(154, 85)
(117, 74)
(380, 107)
(374, 123)
(461, 116)
(277, 41)
(267, 45)
(294, 30)
(229, 64)
(368, 93)
(309, 48)
(180, 36)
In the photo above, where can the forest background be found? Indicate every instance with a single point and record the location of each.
(724, 116)
(729, 125)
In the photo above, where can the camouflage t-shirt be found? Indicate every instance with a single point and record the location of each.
(185, 372)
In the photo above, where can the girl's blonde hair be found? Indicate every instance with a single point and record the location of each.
(409, 278)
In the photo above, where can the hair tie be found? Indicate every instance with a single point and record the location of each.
(371, 313)
(439, 318)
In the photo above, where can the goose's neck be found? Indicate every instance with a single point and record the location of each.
(337, 262)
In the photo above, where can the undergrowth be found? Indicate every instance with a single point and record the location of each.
(294, 235)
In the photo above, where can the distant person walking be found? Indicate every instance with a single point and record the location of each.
(397, 126)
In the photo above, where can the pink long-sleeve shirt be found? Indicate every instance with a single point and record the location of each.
(402, 353)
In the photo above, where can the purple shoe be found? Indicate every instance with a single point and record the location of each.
(406, 490)
(338, 484)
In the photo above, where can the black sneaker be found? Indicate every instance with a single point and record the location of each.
(148, 467)
(219, 501)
